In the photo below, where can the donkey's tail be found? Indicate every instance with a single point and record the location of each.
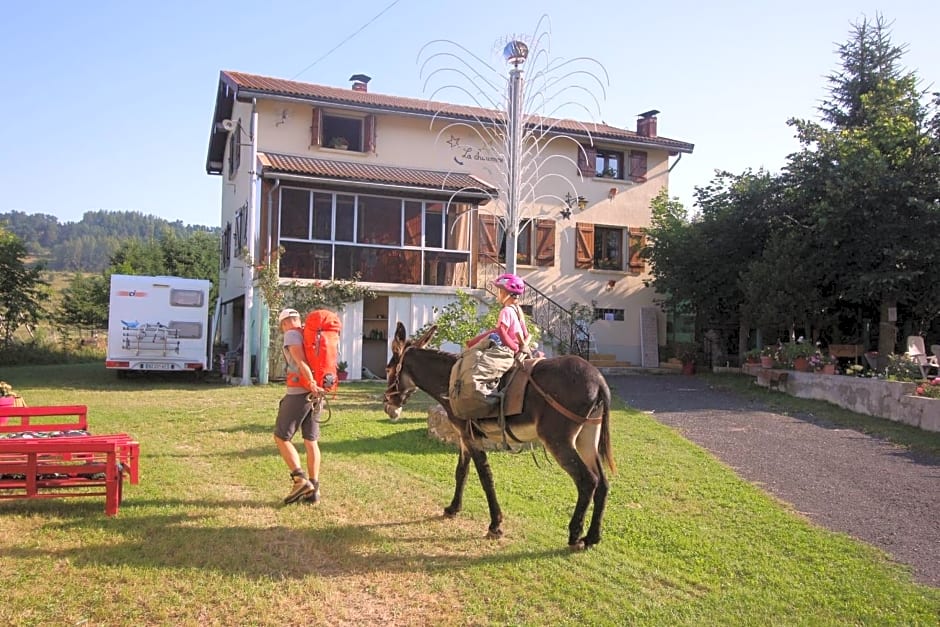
(605, 450)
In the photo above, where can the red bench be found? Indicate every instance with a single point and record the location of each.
(68, 465)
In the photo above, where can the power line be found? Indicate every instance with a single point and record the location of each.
(337, 46)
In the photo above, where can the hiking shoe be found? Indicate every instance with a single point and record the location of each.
(313, 497)
(302, 487)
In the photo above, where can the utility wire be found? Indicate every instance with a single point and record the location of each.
(337, 46)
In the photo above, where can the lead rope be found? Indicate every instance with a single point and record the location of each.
(325, 405)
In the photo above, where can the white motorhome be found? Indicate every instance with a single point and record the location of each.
(158, 323)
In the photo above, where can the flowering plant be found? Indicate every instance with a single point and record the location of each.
(817, 360)
(6, 389)
(930, 388)
(854, 370)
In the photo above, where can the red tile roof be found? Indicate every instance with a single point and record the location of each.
(352, 172)
(240, 81)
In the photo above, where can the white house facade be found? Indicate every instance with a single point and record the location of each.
(404, 194)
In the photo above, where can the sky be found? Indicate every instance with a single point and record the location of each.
(108, 105)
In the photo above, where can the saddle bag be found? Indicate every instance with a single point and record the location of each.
(474, 379)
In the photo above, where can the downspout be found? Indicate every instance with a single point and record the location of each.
(678, 159)
(265, 348)
(250, 270)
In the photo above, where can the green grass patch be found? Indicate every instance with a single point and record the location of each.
(203, 539)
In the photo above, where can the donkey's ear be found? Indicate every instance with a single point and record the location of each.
(424, 339)
(400, 333)
(398, 342)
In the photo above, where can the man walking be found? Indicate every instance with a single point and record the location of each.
(299, 409)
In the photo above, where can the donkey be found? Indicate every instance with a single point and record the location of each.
(566, 406)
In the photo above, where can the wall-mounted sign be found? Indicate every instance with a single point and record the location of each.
(471, 153)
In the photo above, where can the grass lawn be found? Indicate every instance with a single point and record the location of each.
(203, 539)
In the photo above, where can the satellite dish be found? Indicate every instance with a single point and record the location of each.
(228, 125)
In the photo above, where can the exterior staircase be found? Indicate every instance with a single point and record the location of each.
(607, 360)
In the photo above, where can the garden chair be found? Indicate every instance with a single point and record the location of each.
(927, 363)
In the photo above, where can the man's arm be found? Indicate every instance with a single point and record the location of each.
(306, 374)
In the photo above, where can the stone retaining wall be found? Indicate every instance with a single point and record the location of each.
(893, 400)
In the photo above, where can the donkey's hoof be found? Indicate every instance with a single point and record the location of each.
(577, 546)
(450, 513)
(492, 534)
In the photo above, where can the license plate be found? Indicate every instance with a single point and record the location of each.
(156, 366)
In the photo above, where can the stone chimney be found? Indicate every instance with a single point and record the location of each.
(646, 124)
(360, 82)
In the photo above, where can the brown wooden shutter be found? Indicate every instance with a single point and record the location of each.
(638, 166)
(587, 161)
(545, 242)
(584, 246)
(637, 242)
(488, 246)
(368, 132)
(315, 127)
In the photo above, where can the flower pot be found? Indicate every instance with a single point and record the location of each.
(342, 375)
(829, 369)
(801, 364)
(766, 361)
(688, 367)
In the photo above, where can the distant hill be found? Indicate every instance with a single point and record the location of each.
(87, 245)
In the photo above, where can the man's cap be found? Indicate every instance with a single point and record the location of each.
(287, 313)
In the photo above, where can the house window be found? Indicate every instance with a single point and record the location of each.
(226, 256)
(523, 244)
(234, 150)
(609, 164)
(534, 246)
(608, 248)
(342, 133)
(377, 239)
(608, 314)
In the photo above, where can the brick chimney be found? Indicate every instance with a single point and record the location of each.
(646, 124)
(360, 82)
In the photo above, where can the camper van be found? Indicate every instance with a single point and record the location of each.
(158, 323)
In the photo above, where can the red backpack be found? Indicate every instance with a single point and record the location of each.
(321, 346)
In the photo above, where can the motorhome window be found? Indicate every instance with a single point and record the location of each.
(187, 330)
(186, 298)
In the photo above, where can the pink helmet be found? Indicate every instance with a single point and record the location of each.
(511, 283)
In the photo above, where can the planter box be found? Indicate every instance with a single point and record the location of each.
(892, 400)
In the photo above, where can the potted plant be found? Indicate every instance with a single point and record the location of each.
(753, 356)
(341, 373)
(823, 363)
(768, 356)
(339, 143)
(796, 355)
(688, 361)
(607, 173)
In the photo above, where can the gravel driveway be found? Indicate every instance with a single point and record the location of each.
(839, 478)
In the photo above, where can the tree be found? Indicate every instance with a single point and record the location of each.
(21, 288)
(867, 179)
(697, 263)
(84, 303)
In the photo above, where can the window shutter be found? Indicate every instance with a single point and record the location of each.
(637, 243)
(488, 248)
(315, 128)
(545, 242)
(638, 166)
(584, 246)
(587, 161)
(368, 132)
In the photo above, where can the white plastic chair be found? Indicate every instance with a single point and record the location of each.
(916, 351)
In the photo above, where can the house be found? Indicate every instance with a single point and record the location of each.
(405, 193)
